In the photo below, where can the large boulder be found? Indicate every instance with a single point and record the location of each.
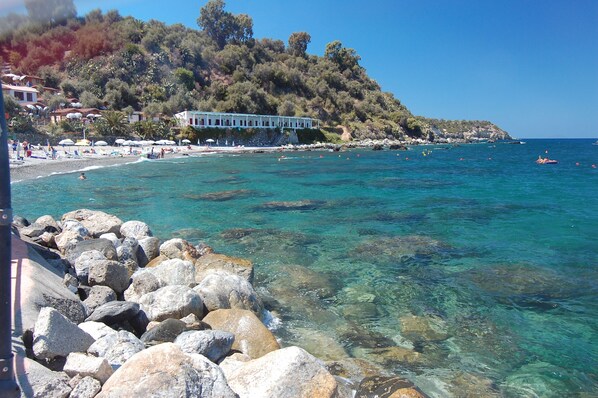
(166, 371)
(87, 387)
(55, 335)
(96, 222)
(87, 365)
(164, 332)
(112, 238)
(251, 336)
(174, 272)
(212, 344)
(104, 246)
(142, 282)
(97, 330)
(109, 273)
(72, 233)
(117, 348)
(127, 254)
(179, 248)
(221, 290)
(149, 248)
(114, 312)
(171, 302)
(83, 263)
(37, 381)
(98, 295)
(49, 224)
(212, 262)
(287, 373)
(135, 229)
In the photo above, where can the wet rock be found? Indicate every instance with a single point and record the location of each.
(96, 222)
(468, 385)
(87, 365)
(135, 229)
(114, 312)
(227, 195)
(171, 302)
(400, 248)
(87, 387)
(182, 375)
(149, 248)
(109, 273)
(179, 248)
(319, 343)
(99, 295)
(307, 280)
(429, 328)
(220, 290)
(389, 356)
(165, 332)
(251, 336)
(213, 344)
(354, 370)
(288, 372)
(189, 234)
(117, 347)
(213, 262)
(388, 387)
(54, 335)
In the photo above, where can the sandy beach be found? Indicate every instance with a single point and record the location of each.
(39, 165)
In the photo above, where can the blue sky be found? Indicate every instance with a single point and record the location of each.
(530, 66)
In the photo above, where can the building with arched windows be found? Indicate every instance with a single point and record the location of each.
(199, 119)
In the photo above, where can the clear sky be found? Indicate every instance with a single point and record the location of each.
(530, 66)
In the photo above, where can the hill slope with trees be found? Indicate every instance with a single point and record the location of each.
(125, 64)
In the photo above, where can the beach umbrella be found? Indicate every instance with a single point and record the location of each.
(186, 142)
(75, 115)
(101, 143)
(209, 140)
(119, 141)
(66, 142)
(83, 143)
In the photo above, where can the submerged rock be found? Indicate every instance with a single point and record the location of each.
(388, 387)
(305, 204)
(227, 195)
(417, 328)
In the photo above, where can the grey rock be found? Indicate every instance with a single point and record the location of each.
(221, 290)
(285, 373)
(97, 330)
(127, 251)
(33, 231)
(174, 272)
(83, 262)
(183, 375)
(47, 239)
(114, 312)
(171, 302)
(109, 273)
(55, 335)
(142, 282)
(149, 248)
(87, 365)
(49, 223)
(72, 233)
(211, 262)
(213, 344)
(87, 387)
(37, 381)
(104, 246)
(70, 282)
(179, 248)
(20, 222)
(112, 238)
(116, 348)
(99, 295)
(96, 222)
(165, 332)
(135, 229)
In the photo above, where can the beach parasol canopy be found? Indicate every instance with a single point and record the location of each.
(209, 140)
(83, 143)
(119, 141)
(101, 143)
(186, 142)
(75, 115)
(66, 142)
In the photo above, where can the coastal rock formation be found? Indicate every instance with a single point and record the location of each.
(83, 262)
(103, 246)
(182, 375)
(209, 263)
(135, 229)
(251, 336)
(286, 373)
(127, 254)
(212, 344)
(96, 222)
(171, 302)
(97, 330)
(55, 336)
(142, 282)
(388, 387)
(416, 328)
(220, 290)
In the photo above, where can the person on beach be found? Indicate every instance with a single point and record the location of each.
(82, 176)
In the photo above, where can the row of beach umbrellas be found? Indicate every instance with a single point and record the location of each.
(122, 142)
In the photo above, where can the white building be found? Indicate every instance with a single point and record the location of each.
(200, 119)
(23, 94)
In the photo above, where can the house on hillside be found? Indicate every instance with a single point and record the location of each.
(22, 94)
(140, 116)
(199, 119)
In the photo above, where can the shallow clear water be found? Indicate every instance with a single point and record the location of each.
(495, 256)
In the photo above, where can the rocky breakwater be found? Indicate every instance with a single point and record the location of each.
(103, 308)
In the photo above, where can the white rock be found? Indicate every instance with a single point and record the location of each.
(117, 348)
(83, 262)
(175, 272)
(97, 330)
(221, 290)
(112, 238)
(135, 229)
(87, 387)
(88, 365)
(171, 302)
(72, 232)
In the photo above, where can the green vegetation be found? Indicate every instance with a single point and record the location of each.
(127, 65)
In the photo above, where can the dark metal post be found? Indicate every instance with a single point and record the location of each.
(8, 385)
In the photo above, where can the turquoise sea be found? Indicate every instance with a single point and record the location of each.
(472, 270)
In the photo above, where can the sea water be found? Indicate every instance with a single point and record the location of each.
(478, 266)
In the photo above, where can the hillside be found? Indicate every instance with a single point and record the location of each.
(107, 61)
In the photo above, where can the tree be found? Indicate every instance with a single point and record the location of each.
(11, 106)
(51, 11)
(222, 26)
(345, 58)
(298, 42)
(185, 77)
(112, 123)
